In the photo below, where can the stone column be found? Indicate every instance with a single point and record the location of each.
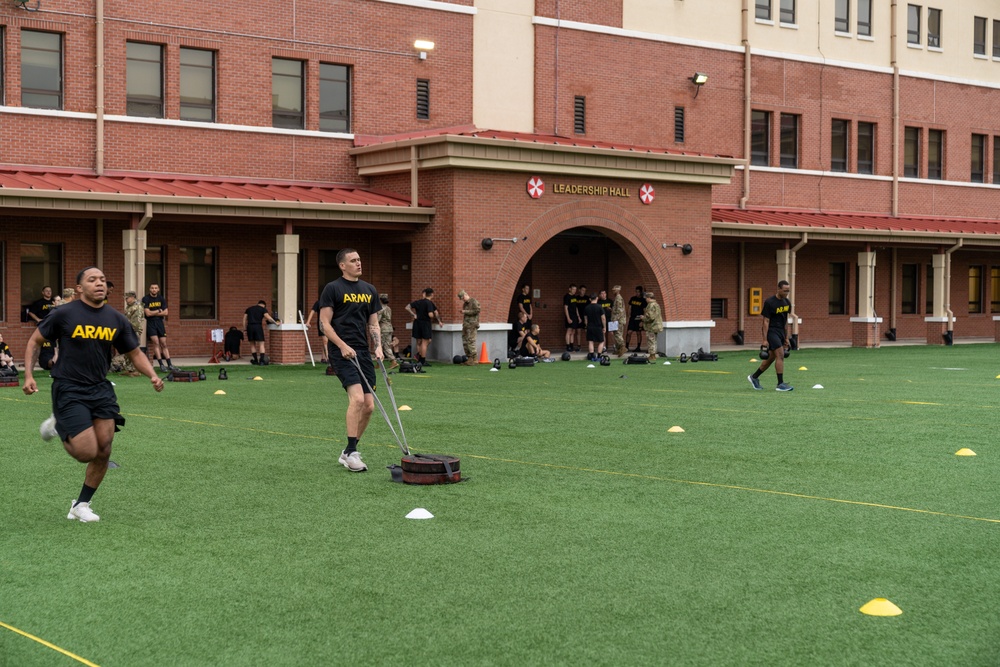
(865, 327)
(937, 321)
(134, 247)
(287, 344)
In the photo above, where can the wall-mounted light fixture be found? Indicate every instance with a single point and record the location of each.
(685, 248)
(487, 243)
(423, 46)
(698, 80)
(23, 4)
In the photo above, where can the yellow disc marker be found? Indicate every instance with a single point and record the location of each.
(965, 451)
(220, 393)
(675, 429)
(803, 368)
(404, 407)
(880, 607)
(257, 377)
(754, 361)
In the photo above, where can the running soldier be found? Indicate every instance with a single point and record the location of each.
(85, 412)
(470, 324)
(618, 317)
(349, 310)
(652, 322)
(774, 330)
(385, 329)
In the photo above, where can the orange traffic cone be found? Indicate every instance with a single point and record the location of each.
(483, 357)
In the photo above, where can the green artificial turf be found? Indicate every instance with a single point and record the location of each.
(586, 533)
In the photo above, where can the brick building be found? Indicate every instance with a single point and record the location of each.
(227, 151)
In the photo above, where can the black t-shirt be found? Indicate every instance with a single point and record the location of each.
(606, 305)
(524, 300)
(776, 311)
(255, 315)
(4, 349)
(636, 305)
(569, 302)
(353, 303)
(593, 312)
(86, 336)
(154, 303)
(423, 308)
(41, 308)
(582, 300)
(233, 338)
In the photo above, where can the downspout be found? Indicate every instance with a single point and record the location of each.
(741, 292)
(947, 285)
(893, 292)
(99, 107)
(894, 46)
(745, 27)
(413, 177)
(794, 317)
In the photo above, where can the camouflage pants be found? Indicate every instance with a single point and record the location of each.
(651, 342)
(619, 336)
(386, 335)
(122, 364)
(469, 340)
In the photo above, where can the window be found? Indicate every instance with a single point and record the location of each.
(300, 292)
(866, 148)
(155, 261)
(334, 98)
(911, 152)
(838, 288)
(979, 36)
(423, 99)
(41, 266)
(3, 272)
(197, 85)
(838, 144)
(580, 114)
(678, 125)
(41, 70)
(3, 100)
(764, 10)
(787, 11)
(934, 28)
(912, 24)
(978, 172)
(197, 298)
(996, 160)
(842, 16)
(144, 80)
(789, 140)
(865, 18)
(329, 270)
(995, 289)
(287, 93)
(760, 138)
(719, 309)
(935, 154)
(975, 289)
(910, 288)
(930, 290)
(996, 39)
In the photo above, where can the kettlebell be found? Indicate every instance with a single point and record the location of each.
(201, 375)
(222, 374)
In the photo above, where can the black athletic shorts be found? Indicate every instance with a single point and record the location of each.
(421, 329)
(634, 325)
(775, 338)
(348, 372)
(595, 335)
(155, 327)
(77, 406)
(255, 332)
(573, 325)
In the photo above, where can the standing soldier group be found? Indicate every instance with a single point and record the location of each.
(133, 311)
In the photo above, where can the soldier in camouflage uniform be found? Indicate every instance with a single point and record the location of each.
(470, 324)
(385, 330)
(133, 311)
(652, 323)
(618, 315)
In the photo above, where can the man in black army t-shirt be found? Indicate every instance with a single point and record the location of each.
(349, 313)
(774, 331)
(85, 412)
(154, 308)
(253, 321)
(636, 307)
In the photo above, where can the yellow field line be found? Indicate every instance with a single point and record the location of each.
(734, 487)
(48, 644)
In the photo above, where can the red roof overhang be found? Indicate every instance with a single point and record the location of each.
(126, 194)
(869, 227)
